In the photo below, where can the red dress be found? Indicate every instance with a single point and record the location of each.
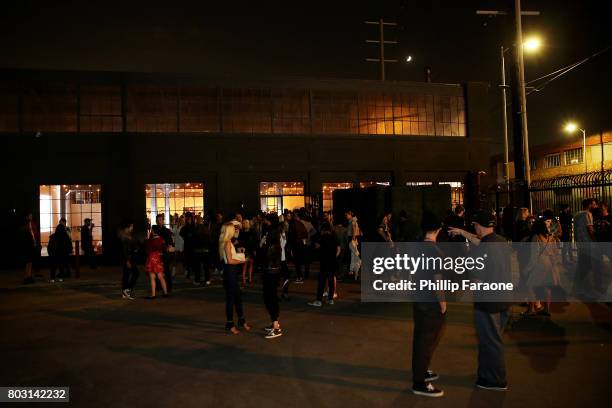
(155, 247)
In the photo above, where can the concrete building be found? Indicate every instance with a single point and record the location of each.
(112, 145)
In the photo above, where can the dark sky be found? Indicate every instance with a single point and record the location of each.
(323, 39)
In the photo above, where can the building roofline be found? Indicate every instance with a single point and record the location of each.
(170, 78)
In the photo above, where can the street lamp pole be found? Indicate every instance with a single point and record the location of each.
(586, 170)
(505, 120)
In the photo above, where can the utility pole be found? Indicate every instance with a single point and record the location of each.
(522, 165)
(381, 41)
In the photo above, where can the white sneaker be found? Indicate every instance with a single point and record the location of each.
(325, 294)
(316, 303)
(51, 280)
(125, 294)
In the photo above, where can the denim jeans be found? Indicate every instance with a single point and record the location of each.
(491, 361)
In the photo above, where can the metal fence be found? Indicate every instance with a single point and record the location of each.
(554, 192)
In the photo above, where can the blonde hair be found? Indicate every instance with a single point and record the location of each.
(226, 235)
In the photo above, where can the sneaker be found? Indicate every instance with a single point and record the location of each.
(268, 328)
(59, 280)
(197, 283)
(431, 376)
(51, 280)
(299, 281)
(325, 295)
(316, 303)
(125, 294)
(330, 302)
(427, 390)
(274, 333)
(207, 283)
(482, 384)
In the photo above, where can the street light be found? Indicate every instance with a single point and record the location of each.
(531, 45)
(571, 128)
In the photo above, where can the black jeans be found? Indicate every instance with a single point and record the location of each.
(428, 323)
(326, 275)
(61, 263)
(199, 260)
(270, 286)
(232, 275)
(301, 259)
(130, 275)
(285, 275)
(491, 362)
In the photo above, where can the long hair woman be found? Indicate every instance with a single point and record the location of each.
(232, 272)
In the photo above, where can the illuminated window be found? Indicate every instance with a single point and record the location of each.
(334, 112)
(456, 192)
(375, 114)
(573, 156)
(552, 160)
(100, 109)
(419, 183)
(199, 110)
(291, 111)
(328, 190)
(50, 108)
(152, 108)
(170, 199)
(75, 203)
(449, 116)
(278, 196)
(247, 111)
(366, 184)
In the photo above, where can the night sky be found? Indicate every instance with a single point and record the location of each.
(325, 39)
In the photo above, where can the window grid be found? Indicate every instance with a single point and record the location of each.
(173, 198)
(75, 203)
(552, 160)
(573, 156)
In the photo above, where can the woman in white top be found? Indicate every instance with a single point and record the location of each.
(232, 271)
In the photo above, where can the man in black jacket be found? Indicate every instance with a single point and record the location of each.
(490, 310)
(87, 242)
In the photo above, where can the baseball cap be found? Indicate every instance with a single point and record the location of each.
(484, 218)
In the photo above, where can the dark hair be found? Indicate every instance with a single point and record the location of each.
(430, 222)
(587, 202)
(459, 209)
(548, 214)
(325, 227)
(159, 215)
(126, 223)
(539, 228)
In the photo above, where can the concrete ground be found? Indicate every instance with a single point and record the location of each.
(175, 352)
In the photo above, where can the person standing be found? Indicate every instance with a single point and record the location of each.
(232, 270)
(188, 234)
(298, 239)
(584, 235)
(164, 232)
(29, 248)
(329, 251)
(428, 317)
(202, 248)
(155, 246)
(271, 276)
(567, 225)
(60, 248)
(128, 259)
(87, 242)
(490, 315)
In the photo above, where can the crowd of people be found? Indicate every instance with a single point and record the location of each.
(281, 249)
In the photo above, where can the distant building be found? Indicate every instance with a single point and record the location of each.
(564, 158)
